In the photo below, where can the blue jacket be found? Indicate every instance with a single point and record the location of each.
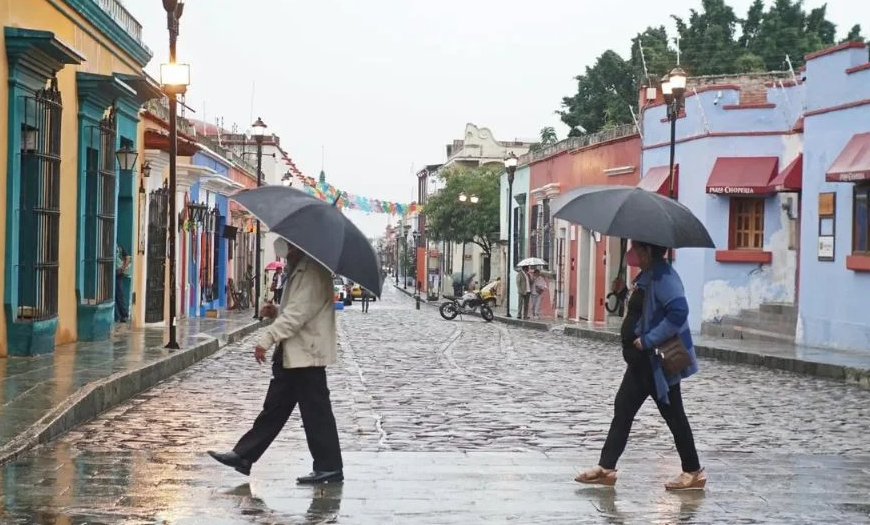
(665, 314)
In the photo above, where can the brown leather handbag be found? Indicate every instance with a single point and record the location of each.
(673, 353)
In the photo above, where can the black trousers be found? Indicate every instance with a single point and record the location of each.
(365, 302)
(637, 385)
(289, 387)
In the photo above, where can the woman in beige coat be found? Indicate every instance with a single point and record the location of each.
(303, 335)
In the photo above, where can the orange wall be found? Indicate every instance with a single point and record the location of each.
(585, 167)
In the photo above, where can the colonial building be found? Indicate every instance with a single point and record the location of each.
(74, 86)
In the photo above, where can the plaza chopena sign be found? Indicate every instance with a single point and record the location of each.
(346, 200)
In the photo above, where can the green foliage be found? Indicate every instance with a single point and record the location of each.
(854, 35)
(449, 219)
(548, 136)
(707, 39)
(709, 44)
(660, 58)
(604, 92)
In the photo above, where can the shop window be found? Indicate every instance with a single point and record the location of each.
(861, 219)
(100, 212)
(747, 224)
(39, 205)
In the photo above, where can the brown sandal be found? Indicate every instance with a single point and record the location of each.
(597, 476)
(688, 481)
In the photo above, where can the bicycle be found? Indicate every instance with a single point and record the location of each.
(241, 301)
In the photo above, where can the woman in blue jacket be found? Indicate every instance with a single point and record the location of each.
(657, 310)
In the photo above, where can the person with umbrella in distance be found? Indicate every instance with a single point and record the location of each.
(656, 340)
(317, 241)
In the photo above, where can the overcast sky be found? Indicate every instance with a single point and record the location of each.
(384, 85)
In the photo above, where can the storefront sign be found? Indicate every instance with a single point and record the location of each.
(826, 248)
(854, 176)
(731, 190)
(827, 229)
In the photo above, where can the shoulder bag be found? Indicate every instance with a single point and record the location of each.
(673, 353)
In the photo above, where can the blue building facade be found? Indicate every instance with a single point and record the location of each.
(518, 216)
(835, 266)
(735, 139)
(207, 252)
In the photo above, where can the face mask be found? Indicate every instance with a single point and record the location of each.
(282, 247)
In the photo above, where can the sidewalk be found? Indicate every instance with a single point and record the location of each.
(43, 397)
(849, 366)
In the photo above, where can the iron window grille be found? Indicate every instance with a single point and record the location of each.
(39, 205)
(100, 212)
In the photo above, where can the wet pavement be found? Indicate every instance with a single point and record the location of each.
(457, 422)
(32, 387)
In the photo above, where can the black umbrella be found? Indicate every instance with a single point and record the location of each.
(319, 229)
(633, 213)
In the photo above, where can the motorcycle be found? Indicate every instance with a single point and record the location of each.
(467, 304)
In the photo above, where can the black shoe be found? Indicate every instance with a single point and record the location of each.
(231, 459)
(317, 477)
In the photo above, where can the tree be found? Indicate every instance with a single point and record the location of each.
(548, 136)
(657, 53)
(606, 89)
(451, 220)
(785, 29)
(854, 35)
(707, 39)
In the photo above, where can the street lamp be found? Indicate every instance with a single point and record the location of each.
(510, 165)
(416, 236)
(463, 198)
(258, 130)
(674, 91)
(287, 180)
(396, 267)
(406, 229)
(126, 157)
(175, 78)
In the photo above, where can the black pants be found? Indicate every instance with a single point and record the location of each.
(365, 302)
(276, 297)
(637, 385)
(289, 386)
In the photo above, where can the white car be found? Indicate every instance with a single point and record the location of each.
(340, 286)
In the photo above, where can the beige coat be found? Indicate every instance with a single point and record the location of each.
(305, 325)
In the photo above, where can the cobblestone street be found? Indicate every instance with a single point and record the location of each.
(457, 422)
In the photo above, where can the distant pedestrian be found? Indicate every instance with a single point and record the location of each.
(122, 285)
(303, 335)
(279, 285)
(657, 311)
(524, 292)
(539, 289)
(366, 297)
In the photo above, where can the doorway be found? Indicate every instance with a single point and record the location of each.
(583, 271)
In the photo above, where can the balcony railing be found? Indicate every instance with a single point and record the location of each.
(572, 143)
(234, 153)
(160, 109)
(119, 13)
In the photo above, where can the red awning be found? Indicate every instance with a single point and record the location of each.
(791, 178)
(742, 175)
(656, 180)
(853, 163)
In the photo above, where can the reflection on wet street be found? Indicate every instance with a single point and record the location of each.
(455, 422)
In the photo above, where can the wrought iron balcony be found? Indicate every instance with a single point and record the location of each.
(119, 13)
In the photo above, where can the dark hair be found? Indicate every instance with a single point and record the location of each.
(656, 251)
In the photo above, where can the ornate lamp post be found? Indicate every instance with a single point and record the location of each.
(174, 78)
(510, 165)
(258, 132)
(465, 199)
(416, 235)
(406, 229)
(674, 91)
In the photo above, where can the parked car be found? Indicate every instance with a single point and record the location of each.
(342, 290)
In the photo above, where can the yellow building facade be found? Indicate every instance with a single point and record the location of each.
(70, 105)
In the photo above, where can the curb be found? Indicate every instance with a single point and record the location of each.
(850, 375)
(97, 397)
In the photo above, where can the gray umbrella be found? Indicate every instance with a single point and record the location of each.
(633, 213)
(319, 229)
